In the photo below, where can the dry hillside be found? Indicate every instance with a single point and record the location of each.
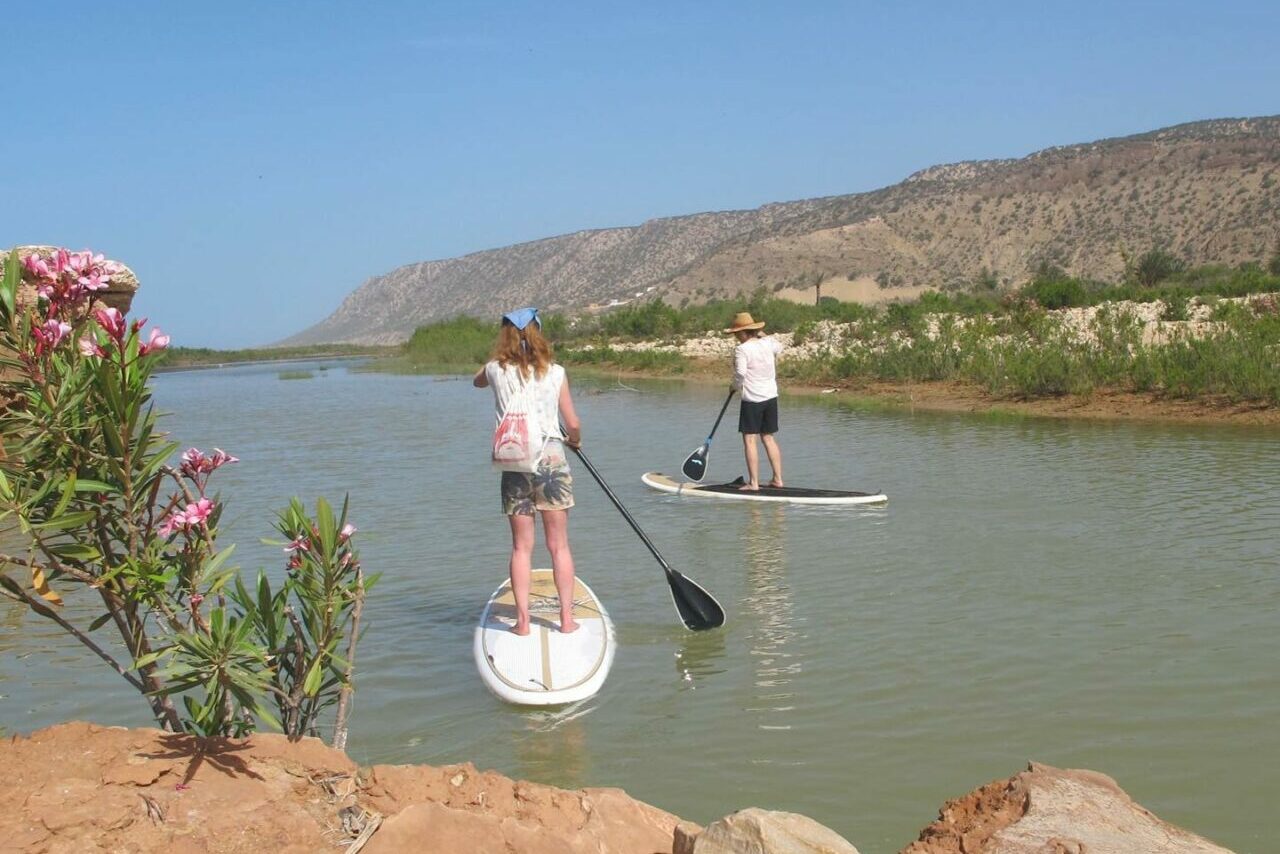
(1207, 191)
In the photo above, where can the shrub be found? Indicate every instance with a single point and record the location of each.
(1155, 266)
(460, 341)
(103, 509)
(1057, 292)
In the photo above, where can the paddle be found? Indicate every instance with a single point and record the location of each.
(695, 467)
(698, 609)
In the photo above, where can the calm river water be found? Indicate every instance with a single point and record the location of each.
(1087, 595)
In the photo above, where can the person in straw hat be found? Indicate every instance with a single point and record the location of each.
(755, 376)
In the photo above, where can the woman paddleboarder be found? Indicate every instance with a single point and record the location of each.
(523, 366)
(755, 377)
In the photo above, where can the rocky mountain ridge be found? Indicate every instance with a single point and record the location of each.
(1207, 191)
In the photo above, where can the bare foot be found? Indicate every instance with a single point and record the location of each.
(747, 487)
(521, 629)
(569, 626)
(774, 484)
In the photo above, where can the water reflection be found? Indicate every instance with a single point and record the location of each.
(699, 657)
(552, 746)
(768, 601)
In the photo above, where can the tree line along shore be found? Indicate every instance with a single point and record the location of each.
(1208, 336)
(1178, 342)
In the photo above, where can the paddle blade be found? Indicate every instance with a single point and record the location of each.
(697, 608)
(695, 467)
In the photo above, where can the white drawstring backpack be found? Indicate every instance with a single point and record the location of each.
(519, 439)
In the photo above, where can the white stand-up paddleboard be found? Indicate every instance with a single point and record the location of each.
(545, 667)
(776, 494)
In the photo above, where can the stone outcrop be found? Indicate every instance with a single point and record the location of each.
(79, 787)
(757, 831)
(1047, 810)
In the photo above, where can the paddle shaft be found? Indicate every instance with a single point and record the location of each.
(719, 417)
(623, 510)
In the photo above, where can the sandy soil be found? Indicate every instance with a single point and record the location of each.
(863, 289)
(947, 396)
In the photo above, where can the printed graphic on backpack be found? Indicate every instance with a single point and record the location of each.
(511, 445)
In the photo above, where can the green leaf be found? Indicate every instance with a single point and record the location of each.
(218, 560)
(76, 551)
(100, 622)
(87, 485)
(314, 676)
(9, 286)
(64, 522)
(161, 456)
(68, 490)
(150, 658)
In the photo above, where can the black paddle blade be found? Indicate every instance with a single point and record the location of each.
(697, 608)
(695, 467)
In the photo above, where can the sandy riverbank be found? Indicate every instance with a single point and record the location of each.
(949, 396)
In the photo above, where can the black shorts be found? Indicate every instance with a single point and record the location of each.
(761, 417)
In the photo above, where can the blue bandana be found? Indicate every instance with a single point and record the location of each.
(521, 317)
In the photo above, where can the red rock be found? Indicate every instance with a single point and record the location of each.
(1047, 809)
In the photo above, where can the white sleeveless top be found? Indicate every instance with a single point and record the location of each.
(505, 382)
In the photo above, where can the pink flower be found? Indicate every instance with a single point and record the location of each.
(295, 562)
(49, 334)
(37, 266)
(196, 462)
(157, 341)
(346, 532)
(196, 599)
(89, 346)
(198, 513)
(222, 458)
(95, 282)
(112, 322)
(193, 514)
(298, 544)
(172, 523)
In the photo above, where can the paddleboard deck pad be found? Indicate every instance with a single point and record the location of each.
(777, 494)
(545, 667)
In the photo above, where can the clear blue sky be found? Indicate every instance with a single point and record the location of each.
(254, 163)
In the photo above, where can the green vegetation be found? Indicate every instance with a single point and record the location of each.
(1005, 342)
(295, 375)
(195, 357)
(644, 361)
(1036, 357)
(461, 342)
(656, 320)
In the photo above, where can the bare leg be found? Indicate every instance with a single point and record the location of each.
(555, 523)
(753, 462)
(775, 458)
(522, 534)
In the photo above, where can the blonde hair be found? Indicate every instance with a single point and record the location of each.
(524, 348)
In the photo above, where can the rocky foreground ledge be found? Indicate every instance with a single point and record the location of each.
(79, 787)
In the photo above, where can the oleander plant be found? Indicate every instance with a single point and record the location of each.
(111, 533)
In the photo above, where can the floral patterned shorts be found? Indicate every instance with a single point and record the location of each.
(549, 488)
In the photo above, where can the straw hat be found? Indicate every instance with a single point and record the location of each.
(742, 321)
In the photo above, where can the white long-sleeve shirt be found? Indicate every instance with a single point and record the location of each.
(753, 368)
